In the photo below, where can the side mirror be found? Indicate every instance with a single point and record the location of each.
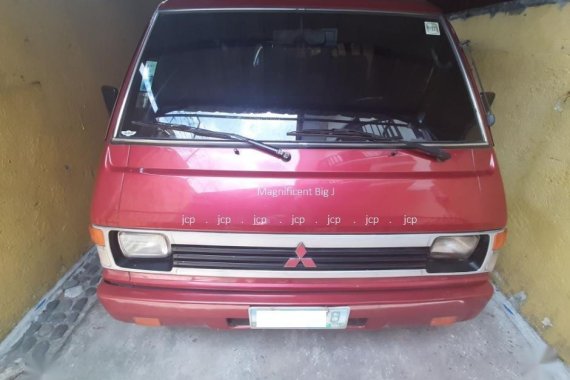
(488, 97)
(110, 95)
(491, 118)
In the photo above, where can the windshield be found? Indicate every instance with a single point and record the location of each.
(264, 75)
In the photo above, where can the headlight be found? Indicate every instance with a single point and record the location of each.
(141, 245)
(453, 247)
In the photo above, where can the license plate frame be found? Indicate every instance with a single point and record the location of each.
(306, 318)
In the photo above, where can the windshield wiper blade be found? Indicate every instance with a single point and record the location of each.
(431, 151)
(337, 132)
(275, 152)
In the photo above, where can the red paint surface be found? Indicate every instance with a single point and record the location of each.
(212, 301)
(144, 186)
(152, 186)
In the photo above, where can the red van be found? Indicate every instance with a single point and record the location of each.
(298, 164)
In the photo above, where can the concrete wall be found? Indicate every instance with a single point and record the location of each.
(54, 56)
(525, 59)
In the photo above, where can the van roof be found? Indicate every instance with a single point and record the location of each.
(400, 6)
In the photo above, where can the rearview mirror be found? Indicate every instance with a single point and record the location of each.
(110, 95)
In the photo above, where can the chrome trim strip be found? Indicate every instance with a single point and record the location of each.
(290, 145)
(300, 275)
(287, 9)
(292, 240)
(205, 10)
(455, 47)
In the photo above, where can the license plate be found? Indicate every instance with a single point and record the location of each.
(298, 317)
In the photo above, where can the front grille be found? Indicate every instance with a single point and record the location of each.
(327, 259)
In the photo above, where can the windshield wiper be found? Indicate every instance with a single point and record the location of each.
(337, 132)
(275, 152)
(431, 151)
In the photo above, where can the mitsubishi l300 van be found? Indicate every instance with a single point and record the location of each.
(298, 164)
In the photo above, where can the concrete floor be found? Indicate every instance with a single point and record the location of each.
(489, 347)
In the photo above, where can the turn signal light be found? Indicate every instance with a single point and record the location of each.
(500, 240)
(443, 321)
(97, 236)
(150, 322)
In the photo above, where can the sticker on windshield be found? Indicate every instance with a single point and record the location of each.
(147, 75)
(150, 68)
(128, 133)
(432, 28)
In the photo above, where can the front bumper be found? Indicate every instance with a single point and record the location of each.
(223, 303)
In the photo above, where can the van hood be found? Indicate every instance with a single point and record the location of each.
(318, 191)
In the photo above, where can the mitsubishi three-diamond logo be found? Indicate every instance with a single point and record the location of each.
(300, 251)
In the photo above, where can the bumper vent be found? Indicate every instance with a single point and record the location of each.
(326, 259)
